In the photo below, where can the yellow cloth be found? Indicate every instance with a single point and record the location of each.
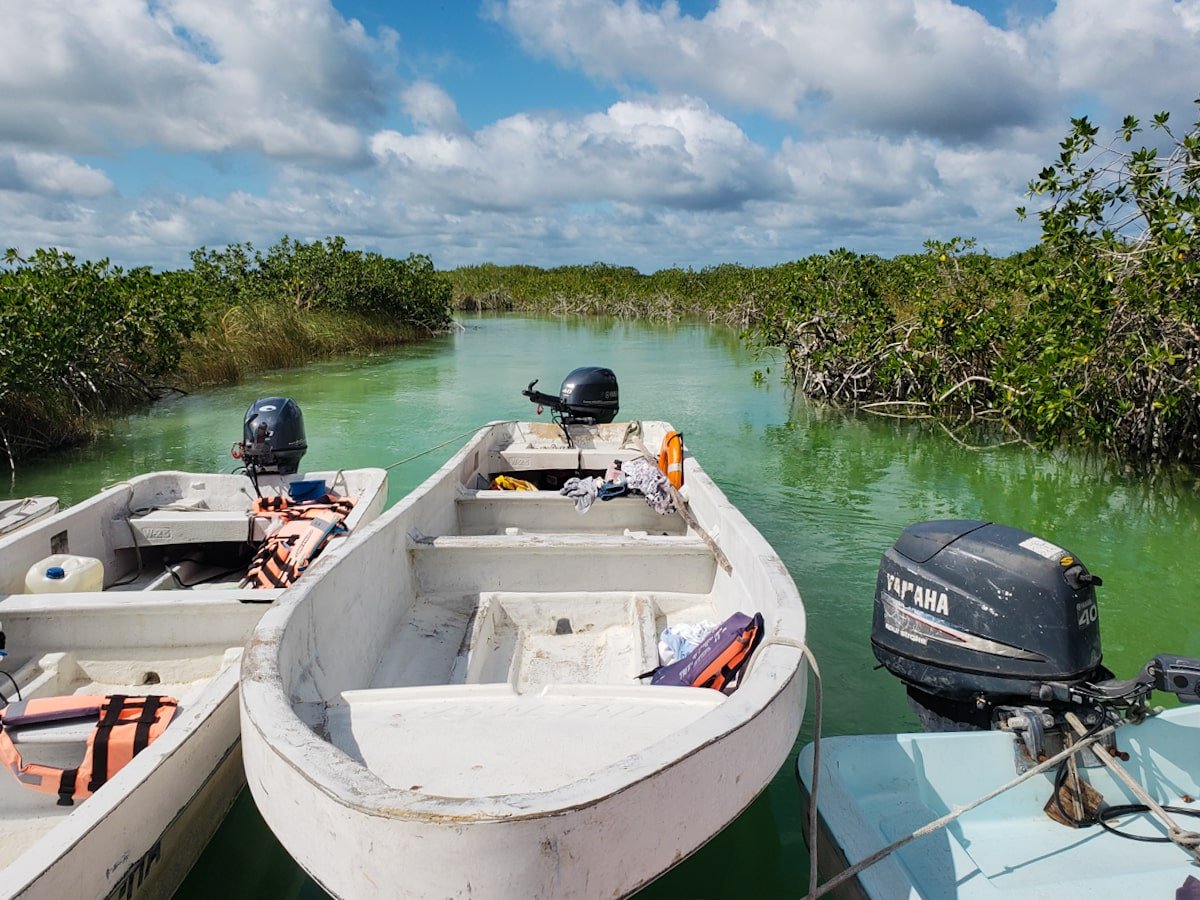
(508, 483)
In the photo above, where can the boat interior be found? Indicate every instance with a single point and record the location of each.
(517, 622)
(173, 530)
(174, 648)
(167, 615)
(878, 788)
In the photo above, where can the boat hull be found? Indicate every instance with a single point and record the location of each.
(606, 847)
(18, 514)
(324, 734)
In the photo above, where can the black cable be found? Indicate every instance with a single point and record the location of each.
(191, 584)
(1112, 812)
(556, 417)
(16, 687)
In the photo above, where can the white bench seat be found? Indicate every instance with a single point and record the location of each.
(491, 512)
(562, 562)
(174, 526)
(526, 459)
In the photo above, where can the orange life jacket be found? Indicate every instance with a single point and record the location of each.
(125, 726)
(289, 550)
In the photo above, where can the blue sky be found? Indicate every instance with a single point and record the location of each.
(648, 133)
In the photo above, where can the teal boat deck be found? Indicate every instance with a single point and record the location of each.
(876, 789)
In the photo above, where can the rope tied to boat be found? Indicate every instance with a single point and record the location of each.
(457, 437)
(1187, 840)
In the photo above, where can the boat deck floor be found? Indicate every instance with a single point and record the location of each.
(879, 788)
(487, 739)
(510, 692)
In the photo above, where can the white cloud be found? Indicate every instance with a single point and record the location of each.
(49, 173)
(1135, 58)
(431, 108)
(897, 65)
(285, 78)
(675, 153)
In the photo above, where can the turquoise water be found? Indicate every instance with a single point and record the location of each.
(829, 490)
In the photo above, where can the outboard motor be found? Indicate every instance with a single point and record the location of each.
(588, 396)
(273, 439)
(993, 627)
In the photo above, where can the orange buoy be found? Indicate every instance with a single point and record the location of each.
(670, 458)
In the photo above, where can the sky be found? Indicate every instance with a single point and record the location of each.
(651, 134)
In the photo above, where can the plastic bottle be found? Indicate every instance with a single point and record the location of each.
(65, 573)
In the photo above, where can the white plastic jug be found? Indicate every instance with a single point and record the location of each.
(65, 572)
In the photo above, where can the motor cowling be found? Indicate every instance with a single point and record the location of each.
(590, 393)
(273, 438)
(970, 615)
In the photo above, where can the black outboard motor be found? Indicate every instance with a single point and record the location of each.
(273, 439)
(970, 614)
(986, 623)
(589, 396)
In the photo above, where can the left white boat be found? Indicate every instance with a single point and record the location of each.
(16, 514)
(124, 619)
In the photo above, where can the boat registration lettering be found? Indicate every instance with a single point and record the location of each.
(135, 875)
(919, 595)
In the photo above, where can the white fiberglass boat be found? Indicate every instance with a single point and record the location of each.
(455, 709)
(146, 591)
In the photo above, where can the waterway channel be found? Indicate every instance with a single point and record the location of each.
(831, 491)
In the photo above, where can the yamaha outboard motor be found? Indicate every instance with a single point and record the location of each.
(589, 396)
(273, 440)
(993, 627)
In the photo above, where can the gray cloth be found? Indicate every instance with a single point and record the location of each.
(582, 491)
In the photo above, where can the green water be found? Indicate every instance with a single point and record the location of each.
(830, 491)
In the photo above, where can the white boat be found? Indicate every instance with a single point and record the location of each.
(154, 602)
(18, 513)
(1042, 775)
(454, 708)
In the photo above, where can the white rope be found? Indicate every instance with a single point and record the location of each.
(457, 437)
(776, 640)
